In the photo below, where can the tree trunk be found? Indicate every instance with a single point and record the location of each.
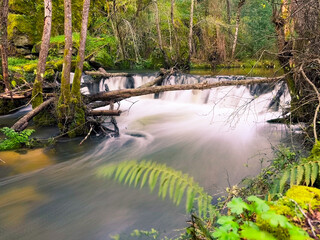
(119, 95)
(63, 109)
(4, 9)
(228, 12)
(81, 52)
(155, 3)
(235, 41)
(37, 86)
(118, 33)
(65, 80)
(190, 31)
(23, 122)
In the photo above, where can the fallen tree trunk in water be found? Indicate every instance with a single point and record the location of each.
(104, 113)
(158, 80)
(24, 121)
(103, 73)
(119, 95)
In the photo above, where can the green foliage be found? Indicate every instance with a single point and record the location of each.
(305, 173)
(15, 140)
(268, 180)
(171, 182)
(254, 220)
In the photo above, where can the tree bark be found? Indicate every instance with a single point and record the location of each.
(65, 80)
(158, 80)
(235, 41)
(75, 91)
(103, 73)
(104, 113)
(190, 31)
(4, 9)
(127, 93)
(155, 3)
(23, 122)
(44, 49)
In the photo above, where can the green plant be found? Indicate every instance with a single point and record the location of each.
(254, 221)
(169, 180)
(14, 140)
(306, 173)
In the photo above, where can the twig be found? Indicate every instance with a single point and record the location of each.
(87, 135)
(307, 218)
(318, 107)
(2, 161)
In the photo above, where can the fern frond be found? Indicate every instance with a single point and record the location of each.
(169, 181)
(300, 172)
(284, 179)
(307, 170)
(305, 173)
(314, 172)
(293, 176)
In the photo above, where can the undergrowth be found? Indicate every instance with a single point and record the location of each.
(15, 140)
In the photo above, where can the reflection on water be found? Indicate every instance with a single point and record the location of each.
(215, 136)
(15, 162)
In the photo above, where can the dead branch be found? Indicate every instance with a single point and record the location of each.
(318, 107)
(118, 95)
(104, 113)
(23, 122)
(163, 74)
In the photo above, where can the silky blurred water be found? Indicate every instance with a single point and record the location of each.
(217, 136)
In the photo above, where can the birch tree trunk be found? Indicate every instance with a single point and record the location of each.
(37, 86)
(235, 41)
(4, 9)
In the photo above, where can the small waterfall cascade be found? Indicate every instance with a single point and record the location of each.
(218, 136)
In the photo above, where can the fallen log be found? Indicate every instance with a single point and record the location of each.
(23, 122)
(103, 73)
(104, 113)
(163, 74)
(119, 95)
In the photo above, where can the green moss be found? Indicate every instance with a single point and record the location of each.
(6, 105)
(278, 231)
(37, 94)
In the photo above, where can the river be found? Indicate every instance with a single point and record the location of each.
(218, 136)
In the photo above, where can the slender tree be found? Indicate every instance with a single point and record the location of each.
(190, 31)
(81, 53)
(37, 86)
(235, 40)
(67, 58)
(4, 9)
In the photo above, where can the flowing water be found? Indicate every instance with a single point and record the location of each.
(218, 136)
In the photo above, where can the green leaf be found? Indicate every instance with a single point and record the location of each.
(250, 233)
(293, 176)
(237, 205)
(172, 186)
(181, 192)
(300, 172)
(165, 187)
(314, 172)
(144, 178)
(259, 204)
(284, 179)
(190, 199)
(307, 174)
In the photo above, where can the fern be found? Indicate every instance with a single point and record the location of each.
(305, 173)
(15, 140)
(171, 182)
